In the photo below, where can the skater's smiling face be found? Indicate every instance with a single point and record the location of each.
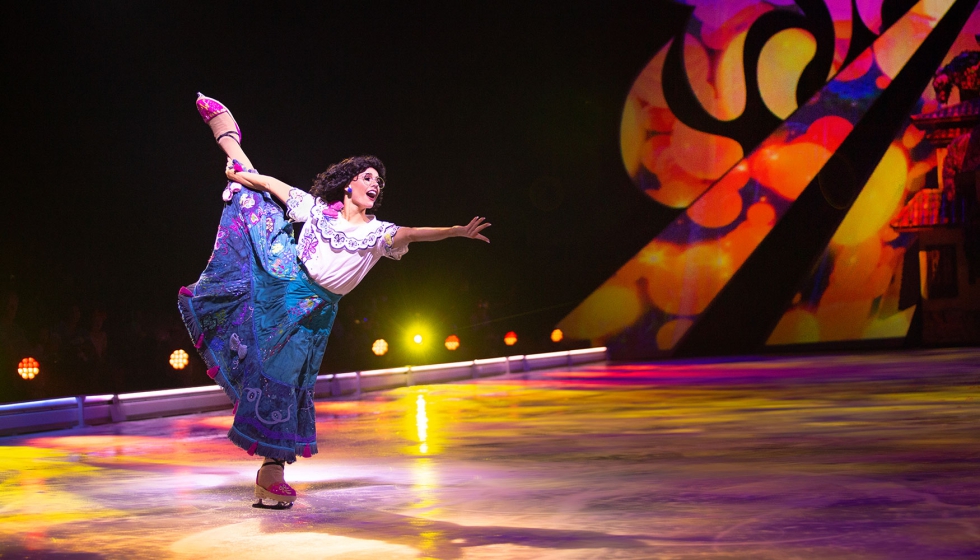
(365, 188)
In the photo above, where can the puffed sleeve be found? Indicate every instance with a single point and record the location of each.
(299, 205)
(388, 231)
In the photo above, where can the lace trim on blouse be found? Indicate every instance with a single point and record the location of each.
(303, 207)
(340, 240)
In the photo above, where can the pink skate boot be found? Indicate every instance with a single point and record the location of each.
(280, 492)
(219, 118)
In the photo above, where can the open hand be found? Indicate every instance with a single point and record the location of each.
(472, 230)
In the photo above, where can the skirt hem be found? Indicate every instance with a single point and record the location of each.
(255, 447)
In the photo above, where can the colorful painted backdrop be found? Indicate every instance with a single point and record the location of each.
(730, 122)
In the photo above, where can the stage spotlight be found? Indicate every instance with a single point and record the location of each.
(510, 338)
(557, 335)
(28, 368)
(419, 337)
(179, 359)
(380, 347)
(452, 342)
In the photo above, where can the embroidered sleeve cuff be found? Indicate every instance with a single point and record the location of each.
(388, 240)
(299, 204)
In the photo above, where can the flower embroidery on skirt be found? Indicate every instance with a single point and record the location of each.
(247, 201)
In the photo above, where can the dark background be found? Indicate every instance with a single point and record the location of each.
(111, 190)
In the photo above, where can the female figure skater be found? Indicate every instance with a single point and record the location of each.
(262, 310)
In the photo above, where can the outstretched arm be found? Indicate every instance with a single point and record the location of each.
(471, 230)
(259, 182)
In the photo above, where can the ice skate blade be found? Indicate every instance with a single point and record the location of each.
(278, 505)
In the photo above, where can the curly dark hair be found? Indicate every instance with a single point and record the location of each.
(329, 186)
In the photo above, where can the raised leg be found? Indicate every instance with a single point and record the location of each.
(234, 151)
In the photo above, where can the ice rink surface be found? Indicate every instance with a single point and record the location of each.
(872, 455)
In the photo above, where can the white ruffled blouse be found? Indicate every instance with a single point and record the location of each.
(336, 253)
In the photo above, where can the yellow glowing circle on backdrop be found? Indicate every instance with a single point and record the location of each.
(28, 368)
(380, 347)
(452, 342)
(510, 338)
(417, 339)
(781, 63)
(557, 335)
(179, 359)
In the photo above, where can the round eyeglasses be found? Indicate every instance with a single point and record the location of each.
(379, 180)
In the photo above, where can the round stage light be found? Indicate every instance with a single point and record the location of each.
(380, 347)
(28, 368)
(510, 338)
(557, 335)
(452, 342)
(179, 359)
(417, 339)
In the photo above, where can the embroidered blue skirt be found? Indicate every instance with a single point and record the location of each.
(261, 326)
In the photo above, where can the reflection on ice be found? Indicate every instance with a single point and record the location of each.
(421, 424)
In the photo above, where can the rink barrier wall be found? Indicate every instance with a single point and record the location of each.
(90, 410)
